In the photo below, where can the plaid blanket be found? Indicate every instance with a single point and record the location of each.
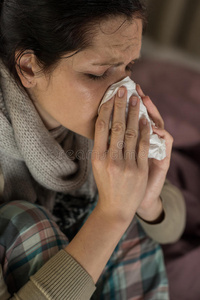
(135, 270)
(29, 237)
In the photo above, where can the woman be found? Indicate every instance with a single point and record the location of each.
(57, 61)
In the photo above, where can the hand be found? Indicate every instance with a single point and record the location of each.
(120, 179)
(151, 206)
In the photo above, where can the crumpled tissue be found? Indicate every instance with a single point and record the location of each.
(157, 147)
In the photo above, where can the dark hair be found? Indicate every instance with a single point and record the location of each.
(52, 28)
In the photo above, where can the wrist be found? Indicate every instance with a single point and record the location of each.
(95, 242)
(153, 213)
(113, 217)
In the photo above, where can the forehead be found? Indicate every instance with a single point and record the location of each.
(118, 32)
(114, 39)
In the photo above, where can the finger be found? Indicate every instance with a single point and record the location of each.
(118, 123)
(143, 146)
(153, 112)
(167, 137)
(131, 133)
(139, 90)
(102, 127)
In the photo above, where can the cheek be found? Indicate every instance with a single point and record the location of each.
(90, 104)
(89, 98)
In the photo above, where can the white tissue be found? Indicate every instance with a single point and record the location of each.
(157, 147)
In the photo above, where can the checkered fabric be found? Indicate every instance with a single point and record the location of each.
(28, 238)
(135, 270)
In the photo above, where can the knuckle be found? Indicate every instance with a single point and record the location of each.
(143, 153)
(101, 125)
(145, 144)
(119, 104)
(131, 134)
(112, 167)
(146, 98)
(106, 106)
(118, 127)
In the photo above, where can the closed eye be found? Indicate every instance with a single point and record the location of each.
(96, 77)
(129, 68)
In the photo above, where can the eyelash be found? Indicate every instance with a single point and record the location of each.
(94, 77)
(129, 68)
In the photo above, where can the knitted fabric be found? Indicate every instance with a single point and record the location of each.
(37, 163)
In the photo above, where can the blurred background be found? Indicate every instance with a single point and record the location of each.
(169, 72)
(173, 32)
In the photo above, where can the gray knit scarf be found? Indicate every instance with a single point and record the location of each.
(37, 163)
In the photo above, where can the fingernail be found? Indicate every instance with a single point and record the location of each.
(144, 121)
(133, 101)
(121, 92)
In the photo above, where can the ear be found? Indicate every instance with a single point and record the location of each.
(26, 67)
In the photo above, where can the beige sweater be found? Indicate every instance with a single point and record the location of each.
(63, 278)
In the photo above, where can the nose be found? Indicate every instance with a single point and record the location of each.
(122, 73)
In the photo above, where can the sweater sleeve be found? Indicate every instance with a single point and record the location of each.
(1, 183)
(172, 226)
(60, 278)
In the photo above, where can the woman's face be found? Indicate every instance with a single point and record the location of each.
(72, 94)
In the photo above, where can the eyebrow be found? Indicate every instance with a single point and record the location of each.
(112, 64)
(108, 64)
